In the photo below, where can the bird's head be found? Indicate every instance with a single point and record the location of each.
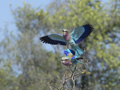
(65, 32)
(65, 61)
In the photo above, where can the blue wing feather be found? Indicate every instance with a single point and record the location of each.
(80, 33)
(53, 39)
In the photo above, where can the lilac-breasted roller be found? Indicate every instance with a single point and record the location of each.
(70, 58)
(76, 36)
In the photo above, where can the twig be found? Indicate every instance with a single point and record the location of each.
(70, 69)
(49, 86)
(54, 87)
(73, 80)
(72, 77)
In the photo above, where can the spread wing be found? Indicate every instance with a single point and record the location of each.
(80, 33)
(53, 39)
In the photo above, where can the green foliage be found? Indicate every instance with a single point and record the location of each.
(39, 67)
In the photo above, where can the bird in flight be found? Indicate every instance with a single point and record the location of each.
(70, 39)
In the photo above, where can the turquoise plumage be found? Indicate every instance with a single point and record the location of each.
(76, 36)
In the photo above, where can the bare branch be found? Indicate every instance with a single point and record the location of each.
(49, 86)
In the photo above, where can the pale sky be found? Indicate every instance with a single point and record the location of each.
(6, 15)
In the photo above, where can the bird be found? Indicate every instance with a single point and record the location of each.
(70, 58)
(70, 39)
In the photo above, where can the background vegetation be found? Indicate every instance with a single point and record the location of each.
(27, 64)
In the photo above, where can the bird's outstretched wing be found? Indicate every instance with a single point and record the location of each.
(80, 33)
(53, 39)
